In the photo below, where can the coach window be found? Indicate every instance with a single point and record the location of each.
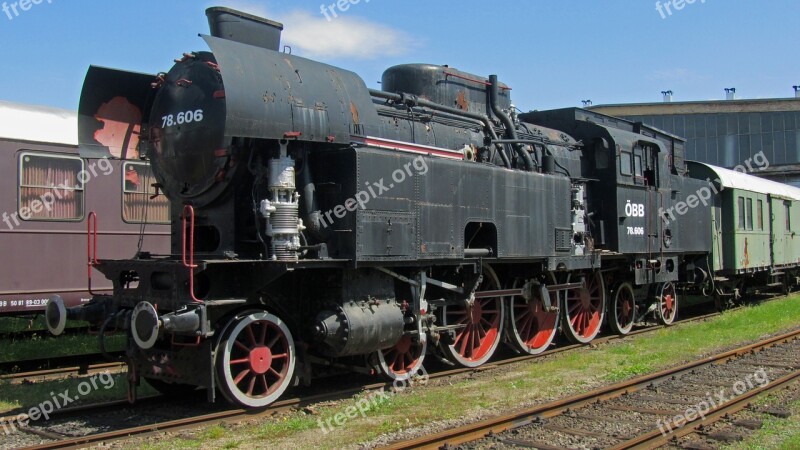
(137, 206)
(749, 217)
(740, 208)
(788, 208)
(50, 187)
(625, 163)
(760, 214)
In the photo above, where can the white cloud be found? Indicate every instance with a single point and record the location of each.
(313, 36)
(343, 37)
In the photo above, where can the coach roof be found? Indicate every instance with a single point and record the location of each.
(44, 124)
(738, 180)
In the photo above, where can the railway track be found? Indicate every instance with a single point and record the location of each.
(233, 415)
(81, 364)
(67, 366)
(59, 440)
(62, 372)
(642, 413)
(48, 367)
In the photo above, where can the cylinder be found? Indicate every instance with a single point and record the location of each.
(359, 328)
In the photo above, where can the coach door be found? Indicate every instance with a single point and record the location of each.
(780, 227)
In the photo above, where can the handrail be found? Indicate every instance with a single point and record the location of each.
(190, 263)
(91, 247)
(473, 80)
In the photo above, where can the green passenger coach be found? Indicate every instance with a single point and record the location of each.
(755, 224)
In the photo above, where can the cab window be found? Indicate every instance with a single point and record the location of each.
(625, 163)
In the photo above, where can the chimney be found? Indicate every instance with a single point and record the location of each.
(245, 28)
(730, 93)
(667, 96)
(586, 103)
(796, 91)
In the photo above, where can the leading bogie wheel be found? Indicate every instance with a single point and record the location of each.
(531, 327)
(404, 359)
(255, 359)
(667, 298)
(622, 309)
(482, 323)
(584, 309)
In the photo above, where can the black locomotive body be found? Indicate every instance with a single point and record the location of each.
(319, 225)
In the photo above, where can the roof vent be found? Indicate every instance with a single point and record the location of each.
(667, 96)
(730, 93)
(796, 91)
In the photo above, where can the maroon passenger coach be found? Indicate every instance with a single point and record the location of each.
(49, 197)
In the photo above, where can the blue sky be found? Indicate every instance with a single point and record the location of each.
(553, 53)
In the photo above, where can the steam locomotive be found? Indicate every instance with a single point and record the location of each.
(320, 226)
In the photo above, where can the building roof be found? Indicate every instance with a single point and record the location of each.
(43, 124)
(732, 179)
(700, 107)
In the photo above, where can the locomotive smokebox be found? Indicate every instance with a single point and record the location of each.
(241, 27)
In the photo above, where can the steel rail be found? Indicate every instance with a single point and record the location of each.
(656, 438)
(232, 415)
(482, 429)
(62, 372)
(236, 414)
(86, 361)
(71, 368)
(30, 367)
(289, 404)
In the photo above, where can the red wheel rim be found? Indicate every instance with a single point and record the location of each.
(668, 303)
(481, 331)
(403, 359)
(625, 307)
(584, 308)
(259, 360)
(533, 325)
